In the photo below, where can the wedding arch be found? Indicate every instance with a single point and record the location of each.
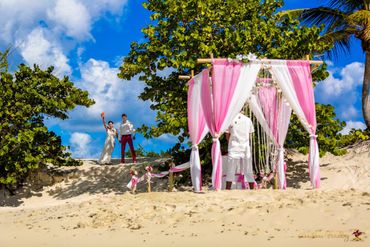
(217, 94)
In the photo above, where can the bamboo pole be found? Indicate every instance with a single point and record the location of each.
(187, 77)
(276, 181)
(170, 179)
(148, 178)
(184, 77)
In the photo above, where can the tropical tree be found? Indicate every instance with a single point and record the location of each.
(4, 60)
(328, 127)
(28, 96)
(343, 19)
(182, 31)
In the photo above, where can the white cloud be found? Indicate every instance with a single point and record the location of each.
(72, 18)
(352, 125)
(342, 89)
(350, 77)
(19, 17)
(99, 7)
(167, 138)
(112, 96)
(37, 49)
(109, 92)
(22, 20)
(349, 112)
(80, 145)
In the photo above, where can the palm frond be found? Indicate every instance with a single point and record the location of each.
(332, 18)
(359, 18)
(341, 40)
(348, 5)
(293, 13)
(4, 60)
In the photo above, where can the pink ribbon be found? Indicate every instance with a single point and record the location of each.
(241, 180)
(174, 169)
(134, 181)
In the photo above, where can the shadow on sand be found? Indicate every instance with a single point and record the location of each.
(90, 178)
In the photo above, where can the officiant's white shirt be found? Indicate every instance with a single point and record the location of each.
(240, 129)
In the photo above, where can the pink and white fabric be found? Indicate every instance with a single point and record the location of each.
(181, 167)
(274, 120)
(283, 125)
(257, 110)
(291, 75)
(232, 83)
(134, 181)
(197, 129)
(300, 72)
(159, 175)
(268, 100)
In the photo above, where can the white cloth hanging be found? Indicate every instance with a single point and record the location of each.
(283, 125)
(197, 129)
(280, 71)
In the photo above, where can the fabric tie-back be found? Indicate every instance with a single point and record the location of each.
(197, 129)
(232, 83)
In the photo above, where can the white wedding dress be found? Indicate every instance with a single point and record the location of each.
(110, 141)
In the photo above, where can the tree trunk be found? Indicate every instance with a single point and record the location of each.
(366, 90)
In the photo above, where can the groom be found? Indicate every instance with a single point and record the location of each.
(126, 131)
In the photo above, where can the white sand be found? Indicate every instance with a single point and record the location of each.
(93, 208)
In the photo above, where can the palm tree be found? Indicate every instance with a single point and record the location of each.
(343, 20)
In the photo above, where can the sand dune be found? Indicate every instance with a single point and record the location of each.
(93, 208)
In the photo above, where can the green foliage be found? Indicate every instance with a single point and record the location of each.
(353, 137)
(328, 136)
(343, 20)
(327, 132)
(141, 152)
(183, 31)
(3, 60)
(27, 97)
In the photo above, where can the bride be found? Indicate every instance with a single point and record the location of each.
(106, 155)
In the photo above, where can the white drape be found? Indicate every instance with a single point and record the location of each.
(283, 125)
(258, 113)
(247, 80)
(243, 89)
(197, 130)
(282, 75)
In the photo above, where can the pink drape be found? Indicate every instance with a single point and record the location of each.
(268, 101)
(277, 115)
(216, 99)
(300, 73)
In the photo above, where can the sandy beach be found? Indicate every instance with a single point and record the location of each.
(94, 208)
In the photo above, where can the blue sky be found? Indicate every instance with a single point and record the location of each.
(87, 39)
